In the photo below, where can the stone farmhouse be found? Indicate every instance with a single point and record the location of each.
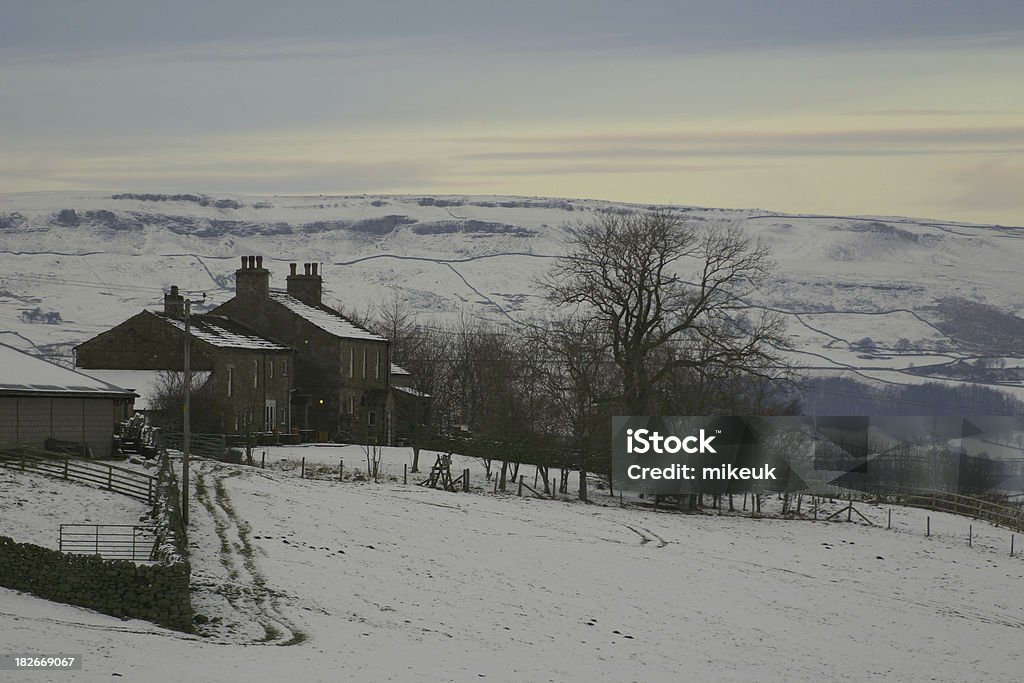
(278, 360)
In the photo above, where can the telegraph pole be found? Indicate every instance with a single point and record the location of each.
(188, 427)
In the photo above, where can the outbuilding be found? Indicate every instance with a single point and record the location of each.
(42, 404)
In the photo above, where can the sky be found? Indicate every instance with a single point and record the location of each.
(891, 107)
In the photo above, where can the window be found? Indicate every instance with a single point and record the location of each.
(271, 368)
(371, 418)
(377, 369)
(364, 363)
(231, 381)
(255, 374)
(269, 412)
(352, 362)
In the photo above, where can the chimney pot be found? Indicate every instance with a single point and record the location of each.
(243, 263)
(252, 261)
(305, 267)
(259, 261)
(293, 266)
(174, 290)
(313, 265)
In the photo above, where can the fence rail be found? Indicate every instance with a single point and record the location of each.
(204, 445)
(967, 506)
(110, 541)
(128, 482)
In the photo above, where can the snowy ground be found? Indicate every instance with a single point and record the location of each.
(322, 580)
(33, 506)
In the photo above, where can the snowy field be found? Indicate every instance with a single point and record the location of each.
(33, 506)
(320, 580)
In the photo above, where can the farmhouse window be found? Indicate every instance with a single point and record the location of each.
(231, 381)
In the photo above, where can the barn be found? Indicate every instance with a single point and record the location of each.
(41, 402)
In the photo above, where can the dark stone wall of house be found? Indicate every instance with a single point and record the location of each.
(322, 368)
(143, 342)
(255, 378)
(146, 342)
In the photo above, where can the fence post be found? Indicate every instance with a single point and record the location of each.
(341, 469)
(465, 480)
(889, 525)
(65, 468)
(1011, 545)
(97, 539)
(263, 461)
(970, 535)
(110, 478)
(520, 493)
(928, 529)
(302, 472)
(405, 473)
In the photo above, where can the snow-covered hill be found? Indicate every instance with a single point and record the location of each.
(924, 292)
(318, 580)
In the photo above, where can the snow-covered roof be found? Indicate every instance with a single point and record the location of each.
(145, 383)
(221, 332)
(411, 391)
(21, 373)
(399, 370)
(325, 318)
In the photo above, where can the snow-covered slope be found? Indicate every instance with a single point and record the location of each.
(317, 580)
(925, 292)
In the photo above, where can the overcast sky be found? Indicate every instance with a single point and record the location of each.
(888, 107)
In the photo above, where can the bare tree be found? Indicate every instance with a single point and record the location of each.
(168, 399)
(578, 380)
(625, 271)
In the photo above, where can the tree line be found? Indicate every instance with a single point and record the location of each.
(646, 313)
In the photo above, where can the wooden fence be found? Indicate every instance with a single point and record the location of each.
(128, 482)
(957, 504)
(213, 446)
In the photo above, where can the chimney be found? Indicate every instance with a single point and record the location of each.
(252, 280)
(308, 287)
(174, 303)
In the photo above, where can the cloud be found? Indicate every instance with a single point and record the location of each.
(862, 142)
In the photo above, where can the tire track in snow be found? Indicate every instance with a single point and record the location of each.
(248, 594)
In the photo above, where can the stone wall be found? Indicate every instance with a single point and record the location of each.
(159, 592)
